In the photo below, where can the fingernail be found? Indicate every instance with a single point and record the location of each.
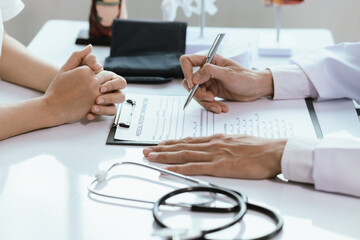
(214, 109)
(96, 109)
(196, 77)
(208, 99)
(162, 143)
(224, 109)
(100, 101)
(153, 155)
(103, 89)
(147, 150)
(90, 117)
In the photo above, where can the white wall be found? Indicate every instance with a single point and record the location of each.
(341, 17)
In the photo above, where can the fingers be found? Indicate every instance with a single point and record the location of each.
(209, 71)
(113, 84)
(191, 169)
(206, 99)
(180, 151)
(76, 58)
(201, 94)
(108, 110)
(109, 82)
(188, 62)
(105, 104)
(175, 148)
(91, 116)
(190, 140)
(110, 98)
(92, 61)
(227, 156)
(104, 77)
(215, 107)
(182, 156)
(97, 110)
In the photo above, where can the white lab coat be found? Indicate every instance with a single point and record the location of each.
(333, 163)
(8, 10)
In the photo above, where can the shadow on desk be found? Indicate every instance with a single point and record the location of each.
(77, 146)
(314, 205)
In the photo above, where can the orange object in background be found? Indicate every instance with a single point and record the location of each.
(281, 2)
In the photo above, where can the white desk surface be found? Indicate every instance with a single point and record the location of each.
(44, 174)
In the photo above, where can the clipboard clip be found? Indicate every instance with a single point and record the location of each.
(127, 123)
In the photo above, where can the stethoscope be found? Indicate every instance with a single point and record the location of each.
(239, 209)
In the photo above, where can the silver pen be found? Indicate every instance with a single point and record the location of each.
(209, 58)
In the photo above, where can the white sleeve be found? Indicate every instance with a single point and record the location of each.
(334, 71)
(332, 164)
(329, 73)
(8, 10)
(290, 82)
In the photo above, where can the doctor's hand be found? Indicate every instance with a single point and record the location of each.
(226, 79)
(233, 156)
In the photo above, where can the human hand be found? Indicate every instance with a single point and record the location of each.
(75, 89)
(110, 90)
(110, 94)
(234, 156)
(226, 79)
(89, 59)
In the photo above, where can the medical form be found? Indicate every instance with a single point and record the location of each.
(160, 117)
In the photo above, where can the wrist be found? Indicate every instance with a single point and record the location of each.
(26, 116)
(278, 153)
(265, 83)
(52, 115)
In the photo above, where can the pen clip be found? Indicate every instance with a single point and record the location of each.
(214, 47)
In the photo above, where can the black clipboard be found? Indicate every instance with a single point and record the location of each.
(126, 124)
(112, 141)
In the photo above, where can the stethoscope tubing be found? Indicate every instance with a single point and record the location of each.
(240, 198)
(240, 212)
(194, 207)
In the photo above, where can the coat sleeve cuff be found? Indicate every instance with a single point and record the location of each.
(290, 82)
(297, 160)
